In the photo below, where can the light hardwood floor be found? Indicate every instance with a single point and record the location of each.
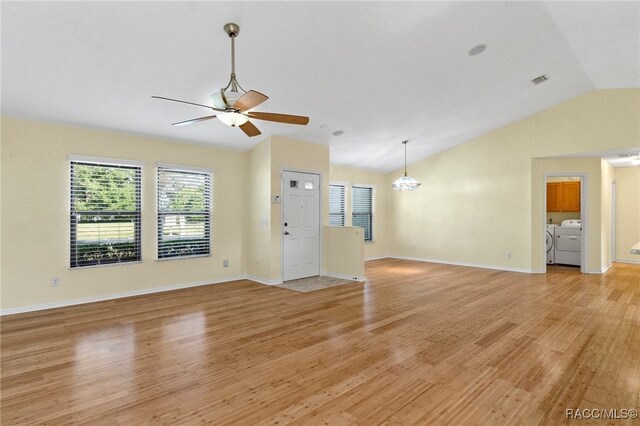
(418, 343)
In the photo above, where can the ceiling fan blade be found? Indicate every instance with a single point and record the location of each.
(249, 100)
(279, 118)
(250, 130)
(190, 103)
(193, 120)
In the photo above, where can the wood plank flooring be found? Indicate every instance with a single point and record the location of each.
(418, 343)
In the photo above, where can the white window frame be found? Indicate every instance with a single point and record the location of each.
(373, 204)
(187, 169)
(108, 162)
(344, 186)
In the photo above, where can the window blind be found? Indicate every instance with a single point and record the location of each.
(184, 213)
(336, 205)
(105, 214)
(362, 209)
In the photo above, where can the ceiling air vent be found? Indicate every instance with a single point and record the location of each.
(629, 154)
(539, 80)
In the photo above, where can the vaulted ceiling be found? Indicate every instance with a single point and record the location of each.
(380, 72)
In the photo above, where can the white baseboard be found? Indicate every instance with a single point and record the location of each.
(632, 262)
(343, 276)
(264, 281)
(92, 299)
(376, 258)
(606, 268)
(473, 265)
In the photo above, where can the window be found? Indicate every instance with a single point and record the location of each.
(362, 210)
(105, 213)
(184, 213)
(336, 205)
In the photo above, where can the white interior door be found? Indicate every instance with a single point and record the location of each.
(301, 225)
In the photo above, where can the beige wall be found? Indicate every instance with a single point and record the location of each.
(343, 251)
(627, 212)
(289, 154)
(481, 203)
(259, 212)
(558, 217)
(267, 160)
(475, 203)
(379, 247)
(35, 211)
(1, 198)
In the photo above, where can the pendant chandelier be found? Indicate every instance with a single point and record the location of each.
(405, 183)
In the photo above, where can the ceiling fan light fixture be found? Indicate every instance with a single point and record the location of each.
(232, 119)
(405, 183)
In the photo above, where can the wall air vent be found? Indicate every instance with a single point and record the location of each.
(539, 80)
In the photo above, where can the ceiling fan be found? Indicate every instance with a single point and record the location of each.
(234, 104)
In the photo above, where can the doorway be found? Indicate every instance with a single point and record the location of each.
(565, 208)
(300, 225)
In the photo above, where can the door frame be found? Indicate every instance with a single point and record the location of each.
(612, 237)
(584, 184)
(320, 194)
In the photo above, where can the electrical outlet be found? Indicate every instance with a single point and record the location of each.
(55, 282)
(225, 263)
(508, 255)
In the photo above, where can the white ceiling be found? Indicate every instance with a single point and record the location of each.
(380, 71)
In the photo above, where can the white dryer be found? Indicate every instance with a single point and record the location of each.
(568, 244)
(550, 236)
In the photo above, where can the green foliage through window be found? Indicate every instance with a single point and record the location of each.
(105, 214)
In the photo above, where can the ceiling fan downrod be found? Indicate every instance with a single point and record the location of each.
(233, 30)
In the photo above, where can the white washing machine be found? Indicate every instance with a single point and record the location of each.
(568, 242)
(550, 235)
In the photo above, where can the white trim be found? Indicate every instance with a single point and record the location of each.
(473, 265)
(612, 235)
(345, 187)
(105, 160)
(187, 169)
(264, 281)
(631, 262)
(366, 259)
(92, 299)
(104, 265)
(344, 276)
(191, 256)
(584, 209)
(373, 208)
(606, 268)
(364, 185)
(181, 168)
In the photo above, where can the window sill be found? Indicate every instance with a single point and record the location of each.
(105, 265)
(195, 256)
